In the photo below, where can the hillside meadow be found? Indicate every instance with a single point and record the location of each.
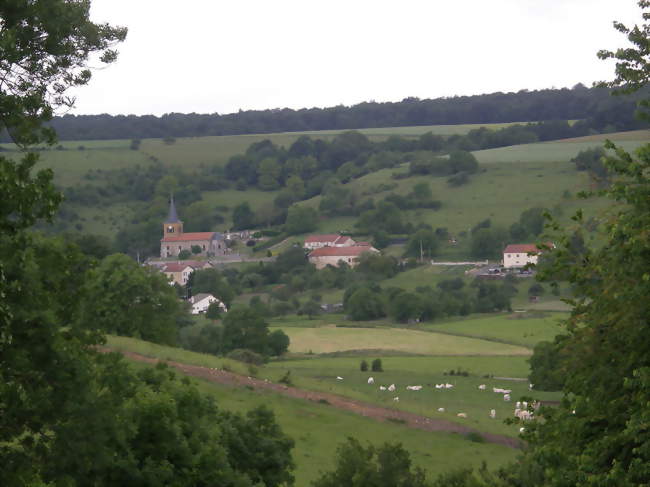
(511, 179)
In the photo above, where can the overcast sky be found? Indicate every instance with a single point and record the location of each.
(208, 56)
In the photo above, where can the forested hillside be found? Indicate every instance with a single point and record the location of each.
(595, 106)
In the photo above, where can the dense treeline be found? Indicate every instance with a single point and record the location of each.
(593, 104)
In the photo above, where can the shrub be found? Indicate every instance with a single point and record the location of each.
(377, 366)
(246, 356)
(184, 254)
(475, 437)
(363, 366)
(286, 378)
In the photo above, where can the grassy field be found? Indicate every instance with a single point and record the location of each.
(554, 151)
(328, 339)
(78, 157)
(321, 374)
(318, 429)
(515, 328)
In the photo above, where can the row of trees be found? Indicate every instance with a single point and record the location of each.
(579, 102)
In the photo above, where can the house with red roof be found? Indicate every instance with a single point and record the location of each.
(175, 240)
(520, 255)
(327, 240)
(333, 256)
(177, 272)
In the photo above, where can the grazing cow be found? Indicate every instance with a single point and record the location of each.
(530, 387)
(482, 387)
(461, 415)
(441, 410)
(525, 405)
(391, 387)
(506, 397)
(493, 413)
(339, 378)
(449, 386)
(413, 388)
(440, 386)
(382, 388)
(521, 430)
(371, 380)
(518, 405)
(396, 399)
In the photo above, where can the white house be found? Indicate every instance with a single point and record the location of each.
(202, 301)
(328, 240)
(520, 255)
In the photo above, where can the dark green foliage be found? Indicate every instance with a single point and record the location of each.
(536, 289)
(377, 365)
(422, 244)
(363, 366)
(278, 343)
(488, 243)
(364, 304)
(184, 254)
(246, 356)
(214, 311)
(301, 219)
(123, 298)
(547, 372)
(211, 281)
(387, 465)
(243, 217)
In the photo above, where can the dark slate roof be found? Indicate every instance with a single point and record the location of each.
(173, 216)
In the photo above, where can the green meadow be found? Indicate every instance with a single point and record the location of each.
(330, 338)
(317, 430)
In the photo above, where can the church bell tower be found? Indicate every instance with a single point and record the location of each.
(172, 227)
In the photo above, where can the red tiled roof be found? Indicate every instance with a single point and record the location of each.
(521, 249)
(330, 237)
(175, 267)
(353, 251)
(184, 237)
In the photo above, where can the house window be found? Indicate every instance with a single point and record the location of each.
(204, 247)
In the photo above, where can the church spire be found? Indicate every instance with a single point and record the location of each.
(173, 216)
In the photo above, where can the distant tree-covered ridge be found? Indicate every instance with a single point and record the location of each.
(594, 105)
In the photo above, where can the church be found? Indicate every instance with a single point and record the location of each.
(175, 240)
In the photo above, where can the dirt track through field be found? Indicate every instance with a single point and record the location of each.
(372, 411)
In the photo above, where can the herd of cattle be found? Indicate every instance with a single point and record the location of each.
(522, 409)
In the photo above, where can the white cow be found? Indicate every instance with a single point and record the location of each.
(441, 410)
(482, 387)
(530, 387)
(462, 415)
(440, 386)
(449, 386)
(413, 388)
(339, 378)
(521, 430)
(493, 413)
(382, 388)
(396, 399)
(518, 405)
(371, 380)
(391, 387)
(506, 397)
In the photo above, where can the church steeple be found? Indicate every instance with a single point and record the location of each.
(173, 216)
(172, 226)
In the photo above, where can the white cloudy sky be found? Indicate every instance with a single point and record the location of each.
(209, 56)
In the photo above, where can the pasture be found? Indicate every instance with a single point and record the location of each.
(321, 374)
(318, 429)
(516, 328)
(330, 338)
